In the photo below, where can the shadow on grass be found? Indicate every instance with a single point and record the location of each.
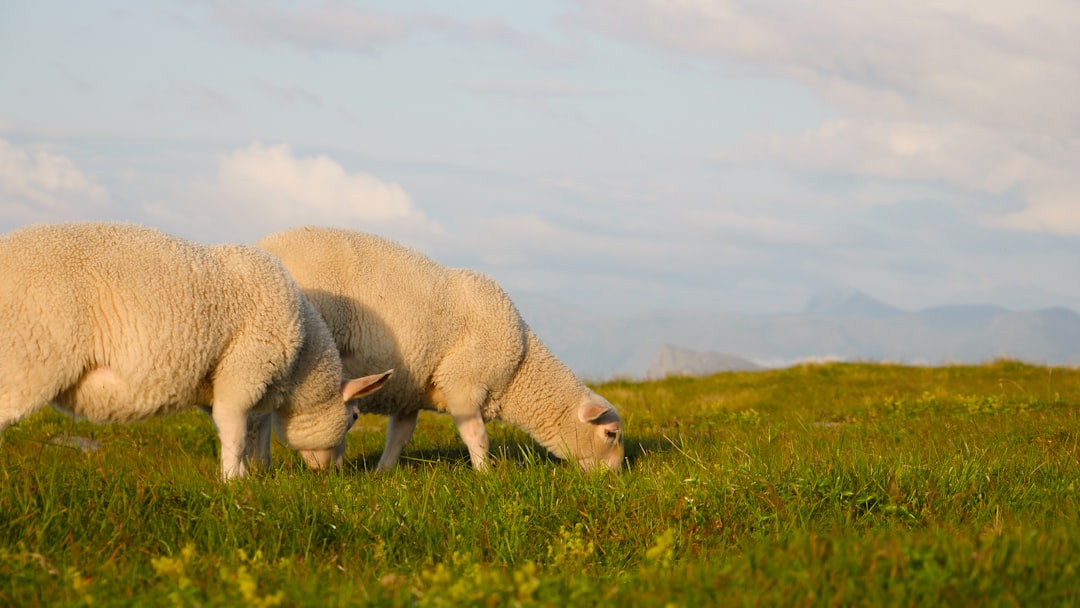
(642, 448)
(519, 454)
(411, 458)
(458, 456)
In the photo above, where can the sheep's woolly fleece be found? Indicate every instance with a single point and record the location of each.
(117, 322)
(455, 340)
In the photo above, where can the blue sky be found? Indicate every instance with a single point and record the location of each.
(621, 156)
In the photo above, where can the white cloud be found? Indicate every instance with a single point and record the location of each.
(326, 25)
(44, 186)
(534, 88)
(759, 228)
(340, 26)
(530, 241)
(291, 95)
(189, 97)
(1036, 170)
(973, 94)
(1014, 65)
(263, 188)
(319, 184)
(974, 157)
(1051, 208)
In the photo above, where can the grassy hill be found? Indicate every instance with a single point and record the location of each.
(833, 484)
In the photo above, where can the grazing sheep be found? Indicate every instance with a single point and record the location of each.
(456, 341)
(117, 322)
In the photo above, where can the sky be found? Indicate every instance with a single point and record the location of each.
(622, 156)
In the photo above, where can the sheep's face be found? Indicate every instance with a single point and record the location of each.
(306, 432)
(321, 459)
(599, 434)
(319, 436)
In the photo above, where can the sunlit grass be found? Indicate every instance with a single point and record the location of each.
(823, 484)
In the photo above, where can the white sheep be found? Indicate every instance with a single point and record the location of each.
(117, 322)
(455, 340)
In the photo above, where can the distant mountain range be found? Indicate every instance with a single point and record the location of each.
(849, 326)
(676, 361)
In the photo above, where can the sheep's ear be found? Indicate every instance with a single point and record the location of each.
(358, 387)
(591, 410)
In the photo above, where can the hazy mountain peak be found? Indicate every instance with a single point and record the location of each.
(674, 360)
(840, 302)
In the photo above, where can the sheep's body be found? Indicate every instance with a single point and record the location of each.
(455, 340)
(116, 323)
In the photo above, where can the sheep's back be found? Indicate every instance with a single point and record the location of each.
(158, 310)
(388, 306)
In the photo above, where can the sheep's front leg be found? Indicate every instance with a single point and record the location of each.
(399, 430)
(470, 426)
(232, 430)
(463, 404)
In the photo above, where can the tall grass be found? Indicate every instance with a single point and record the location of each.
(839, 484)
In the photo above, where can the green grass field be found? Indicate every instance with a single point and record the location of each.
(840, 484)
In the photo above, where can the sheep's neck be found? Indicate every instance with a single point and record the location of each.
(542, 396)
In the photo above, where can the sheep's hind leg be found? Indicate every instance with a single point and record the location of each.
(7, 418)
(399, 429)
(13, 405)
(257, 440)
(27, 386)
(9, 414)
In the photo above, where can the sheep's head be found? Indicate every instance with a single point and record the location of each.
(309, 433)
(598, 434)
